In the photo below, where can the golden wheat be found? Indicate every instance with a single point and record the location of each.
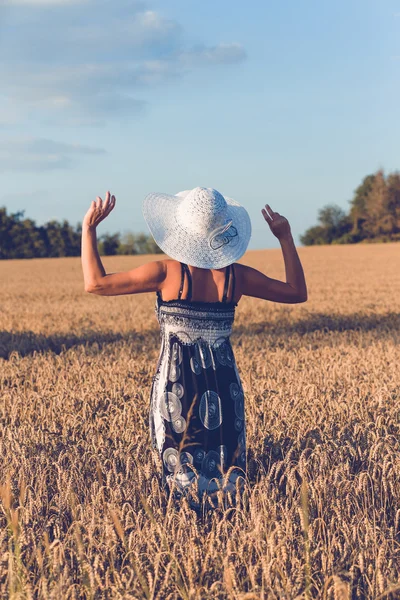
(82, 512)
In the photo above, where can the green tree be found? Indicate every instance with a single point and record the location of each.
(145, 244)
(55, 239)
(358, 203)
(315, 236)
(19, 238)
(331, 216)
(138, 243)
(26, 240)
(393, 186)
(374, 214)
(378, 219)
(22, 238)
(127, 244)
(6, 224)
(333, 225)
(71, 239)
(109, 243)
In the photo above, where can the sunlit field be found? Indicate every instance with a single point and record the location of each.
(82, 513)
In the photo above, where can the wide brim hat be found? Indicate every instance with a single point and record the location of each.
(199, 227)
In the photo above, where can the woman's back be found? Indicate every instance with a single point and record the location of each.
(200, 285)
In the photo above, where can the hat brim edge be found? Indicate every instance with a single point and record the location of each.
(151, 212)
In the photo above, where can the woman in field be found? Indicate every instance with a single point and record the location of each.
(197, 404)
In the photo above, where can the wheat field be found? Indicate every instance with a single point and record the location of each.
(82, 513)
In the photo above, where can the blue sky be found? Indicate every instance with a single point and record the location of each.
(290, 103)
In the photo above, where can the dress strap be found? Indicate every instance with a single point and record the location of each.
(187, 270)
(182, 281)
(189, 296)
(227, 274)
(233, 283)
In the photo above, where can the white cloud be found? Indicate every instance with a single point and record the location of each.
(91, 60)
(134, 30)
(85, 94)
(40, 154)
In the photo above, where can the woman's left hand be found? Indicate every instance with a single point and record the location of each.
(278, 224)
(99, 211)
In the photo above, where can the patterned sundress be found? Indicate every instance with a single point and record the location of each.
(197, 411)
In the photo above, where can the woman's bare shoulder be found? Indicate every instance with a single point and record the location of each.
(170, 264)
(163, 263)
(242, 270)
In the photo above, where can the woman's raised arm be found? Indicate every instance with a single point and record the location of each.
(146, 278)
(259, 285)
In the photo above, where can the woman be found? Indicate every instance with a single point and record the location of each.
(197, 416)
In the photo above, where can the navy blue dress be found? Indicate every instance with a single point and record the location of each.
(197, 413)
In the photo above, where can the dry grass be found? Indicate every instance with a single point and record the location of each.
(81, 510)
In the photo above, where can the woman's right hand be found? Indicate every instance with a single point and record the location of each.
(98, 211)
(278, 224)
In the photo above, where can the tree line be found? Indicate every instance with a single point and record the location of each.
(22, 238)
(373, 216)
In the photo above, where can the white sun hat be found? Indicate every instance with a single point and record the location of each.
(199, 227)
